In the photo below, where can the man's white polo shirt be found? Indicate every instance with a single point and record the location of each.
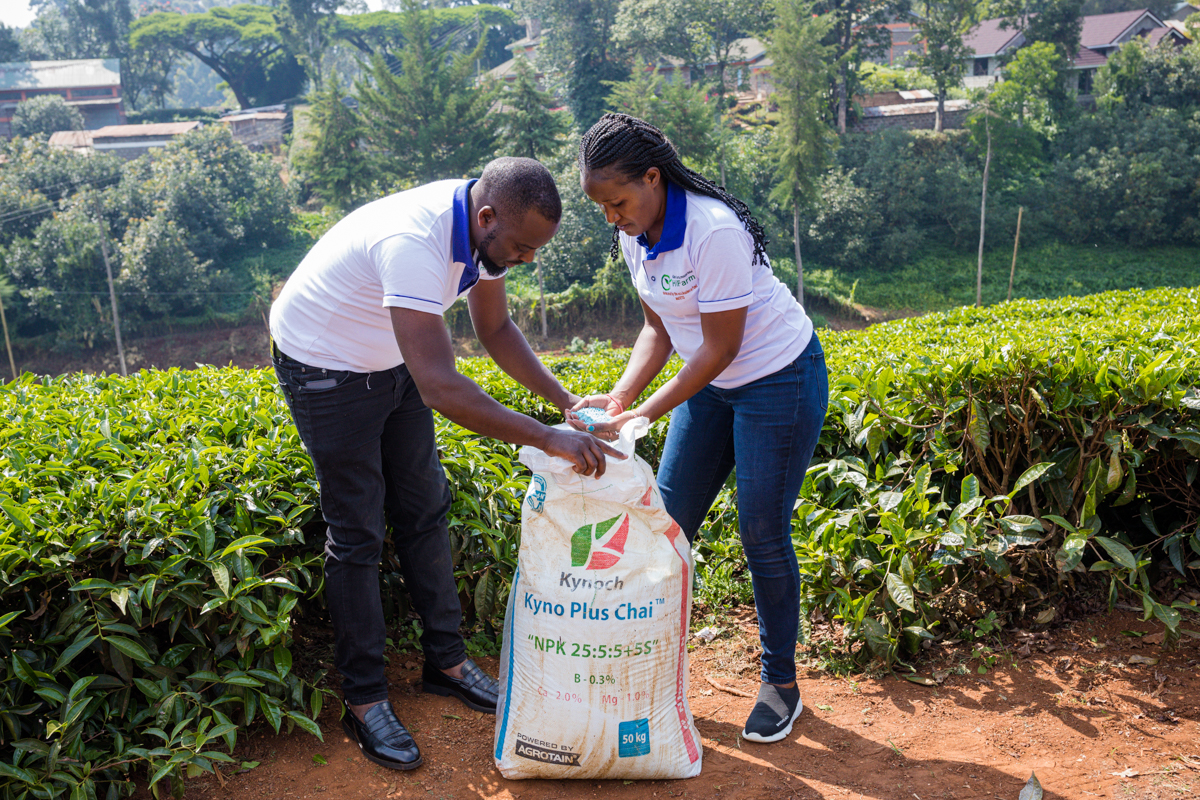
(703, 263)
(407, 250)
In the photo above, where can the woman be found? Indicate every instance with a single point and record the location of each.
(753, 390)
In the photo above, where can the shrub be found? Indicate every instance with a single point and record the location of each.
(150, 555)
(42, 116)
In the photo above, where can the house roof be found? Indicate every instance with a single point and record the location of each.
(989, 39)
(1103, 30)
(241, 116)
(73, 140)
(60, 74)
(1087, 59)
(905, 109)
(138, 131)
(1156, 35)
(1179, 28)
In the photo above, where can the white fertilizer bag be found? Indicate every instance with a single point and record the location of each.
(593, 672)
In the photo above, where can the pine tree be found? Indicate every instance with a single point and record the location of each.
(803, 139)
(335, 162)
(430, 120)
(528, 126)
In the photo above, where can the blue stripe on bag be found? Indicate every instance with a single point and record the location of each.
(508, 641)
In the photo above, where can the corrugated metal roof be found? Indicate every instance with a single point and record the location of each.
(989, 39)
(71, 139)
(60, 74)
(905, 109)
(1104, 29)
(245, 115)
(154, 129)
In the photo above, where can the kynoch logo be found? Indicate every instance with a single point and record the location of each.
(601, 545)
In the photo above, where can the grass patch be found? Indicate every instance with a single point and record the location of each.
(945, 278)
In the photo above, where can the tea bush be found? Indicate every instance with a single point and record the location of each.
(977, 463)
(151, 551)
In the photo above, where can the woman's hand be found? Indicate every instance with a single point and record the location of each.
(604, 401)
(608, 431)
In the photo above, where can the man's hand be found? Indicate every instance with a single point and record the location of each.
(583, 450)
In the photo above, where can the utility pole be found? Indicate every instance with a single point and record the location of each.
(112, 292)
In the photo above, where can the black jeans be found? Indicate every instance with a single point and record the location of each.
(371, 439)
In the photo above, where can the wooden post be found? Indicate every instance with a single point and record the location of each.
(112, 292)
(542, 294)
(7, 342)
(1017, 241)
(987, 163)
(799, 263)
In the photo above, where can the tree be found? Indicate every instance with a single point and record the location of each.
(69, 29)
(528, 126)
(700, 32)
(42, 116)
(431, 120)
(334, 162)
(1139, 75)
(307, 26)
(857, 35)
(461, 27)
(1058, 23)
(240, 43)
(684, 113)
(941, 31)
(1025, 95)
(1160, 8)
(10, 45)
(803, 140)
(578, 48)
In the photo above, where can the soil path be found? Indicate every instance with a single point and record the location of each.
(1077, 707)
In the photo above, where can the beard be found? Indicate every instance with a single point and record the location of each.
(485, 258)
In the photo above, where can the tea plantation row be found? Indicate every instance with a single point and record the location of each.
(153, 532)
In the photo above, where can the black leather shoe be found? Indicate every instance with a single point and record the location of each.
(382, 738)
(476, 689)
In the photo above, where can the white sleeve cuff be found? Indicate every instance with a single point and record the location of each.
(413, 303)
(726, 304)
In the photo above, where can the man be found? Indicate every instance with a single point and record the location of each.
(362, 355)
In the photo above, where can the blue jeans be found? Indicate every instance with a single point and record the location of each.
(769, 430)
(371, 440)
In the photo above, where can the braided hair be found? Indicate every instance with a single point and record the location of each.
(631, 146)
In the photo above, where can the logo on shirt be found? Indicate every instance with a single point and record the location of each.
(678, 285)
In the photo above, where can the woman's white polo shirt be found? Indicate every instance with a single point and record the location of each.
(703, 263)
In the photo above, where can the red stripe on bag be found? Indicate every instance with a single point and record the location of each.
(693, 754)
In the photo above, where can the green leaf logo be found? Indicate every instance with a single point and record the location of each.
(601, 545)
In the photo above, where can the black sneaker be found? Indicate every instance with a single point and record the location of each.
(476, 688)
(382, 738)
(774, 712)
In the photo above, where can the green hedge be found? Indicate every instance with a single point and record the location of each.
(975, 464)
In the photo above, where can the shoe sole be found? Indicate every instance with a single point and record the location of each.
(398, 765)
(775, 737)
(442, 691)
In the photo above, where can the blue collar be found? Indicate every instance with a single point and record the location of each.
(674, 225)
(460, 237)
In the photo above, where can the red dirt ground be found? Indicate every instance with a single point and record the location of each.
(1078, 709)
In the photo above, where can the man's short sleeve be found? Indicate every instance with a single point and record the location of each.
(723, 263)
(412, 272)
